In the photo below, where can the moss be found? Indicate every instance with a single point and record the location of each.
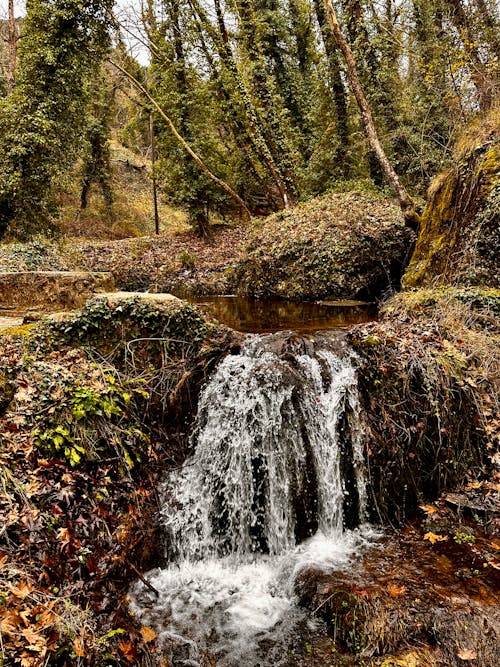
(413, 302)
(23, 330)
(341, 246)
(459, 238)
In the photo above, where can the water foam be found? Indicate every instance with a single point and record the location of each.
(263, 497)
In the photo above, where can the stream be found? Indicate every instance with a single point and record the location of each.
(258, 316)
(276, 485)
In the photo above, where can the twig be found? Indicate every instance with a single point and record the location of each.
(143, 579)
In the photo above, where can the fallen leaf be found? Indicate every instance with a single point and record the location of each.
(432, 537)
(79, 647)
(428, 509)
(148, 635)
(128, 650)
(395, 590)
(466, 654)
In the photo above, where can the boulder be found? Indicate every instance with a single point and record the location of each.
(342, 246)
(459, 238)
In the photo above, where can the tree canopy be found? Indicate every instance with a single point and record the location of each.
(257, 89)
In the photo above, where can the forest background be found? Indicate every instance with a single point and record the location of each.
(256, 88)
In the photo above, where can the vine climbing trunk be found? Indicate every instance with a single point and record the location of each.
(12, 42)
(412, 219)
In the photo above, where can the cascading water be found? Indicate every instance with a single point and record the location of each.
(276, 475)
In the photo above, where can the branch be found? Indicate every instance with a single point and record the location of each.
(222, 184)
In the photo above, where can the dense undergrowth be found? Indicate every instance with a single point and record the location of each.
(430, 373)
(91, 413)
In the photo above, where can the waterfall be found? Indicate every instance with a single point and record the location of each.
(276, 477)
(266, 472)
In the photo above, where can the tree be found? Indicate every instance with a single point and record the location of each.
(96, 166)
(183, 143)
(12, 38)
(41, 122)
(408, 208)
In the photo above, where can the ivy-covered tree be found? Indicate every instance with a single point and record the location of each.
(41, 122)
(96, 159)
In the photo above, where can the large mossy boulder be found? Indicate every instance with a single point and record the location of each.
(459, 238)
(342, 246)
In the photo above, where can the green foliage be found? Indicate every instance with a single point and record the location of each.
(77, 428)
(35, 255)
(41, 122)
(187, 259)
(96, 167)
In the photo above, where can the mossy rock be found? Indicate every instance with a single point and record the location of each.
(459, 238)
(342, 246)
(136, 328)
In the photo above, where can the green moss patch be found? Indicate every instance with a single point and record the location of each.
(459, 238)
(343, 246)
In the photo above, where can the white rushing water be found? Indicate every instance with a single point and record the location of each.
(277, 471)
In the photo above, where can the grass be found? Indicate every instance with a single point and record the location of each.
(132, 212)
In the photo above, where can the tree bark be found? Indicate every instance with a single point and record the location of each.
(222, 184)
(483, 84)
(338, 90)
(406, 204)
(12, 42)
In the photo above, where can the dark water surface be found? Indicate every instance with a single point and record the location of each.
(256, 316)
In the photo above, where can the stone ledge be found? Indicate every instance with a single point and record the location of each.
(48, 291)
(114, 298)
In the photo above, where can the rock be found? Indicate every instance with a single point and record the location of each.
(342, 246)
(459, 238)
(182, 651)
(48, 291)
(115, 298)
(7, 323)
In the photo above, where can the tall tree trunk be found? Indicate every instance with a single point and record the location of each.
(12, 42)
(252, 114)
(260, 81)
(338, 90)
(491, 22)
(483, 84)
(411, 217)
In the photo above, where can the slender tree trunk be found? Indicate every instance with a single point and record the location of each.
(218, 181)
(338, 90)
(12, 42)
(491, 22)
(253, 115)
(153, 172)
(261, 85)
(483, 84)
(411, 217)
(254, 127)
